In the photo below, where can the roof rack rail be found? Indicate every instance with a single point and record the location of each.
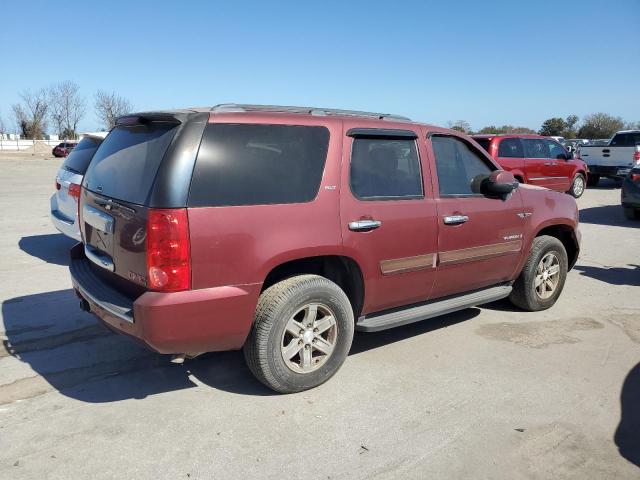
(234, 107)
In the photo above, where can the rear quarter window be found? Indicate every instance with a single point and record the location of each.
(249, 164)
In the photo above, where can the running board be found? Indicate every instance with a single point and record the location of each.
(383, 321)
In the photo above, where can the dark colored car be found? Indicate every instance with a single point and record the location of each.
(631, 193)
(537, 160)
(63, 149)
(281, 230)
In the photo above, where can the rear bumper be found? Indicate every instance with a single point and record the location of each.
(609, 171)
(192, 321)
(63, 224)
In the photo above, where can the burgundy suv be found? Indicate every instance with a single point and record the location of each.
(281, 230)
(537, 160)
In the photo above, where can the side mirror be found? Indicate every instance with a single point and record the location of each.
(499, 184)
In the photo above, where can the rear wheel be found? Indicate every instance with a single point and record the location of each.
(632, 213)
(542, 278)
(301, 335)
(577, 186)
(593, 180)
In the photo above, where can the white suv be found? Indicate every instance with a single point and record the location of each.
(64, 202)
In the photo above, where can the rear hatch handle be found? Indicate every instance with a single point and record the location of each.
(99, 258)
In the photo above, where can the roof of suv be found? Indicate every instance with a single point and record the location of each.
(508, 135)
(272, 109)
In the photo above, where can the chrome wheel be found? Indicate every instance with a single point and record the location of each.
(309, 338)
(547, 276)
(578, 186)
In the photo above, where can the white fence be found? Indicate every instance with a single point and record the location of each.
(16, 145)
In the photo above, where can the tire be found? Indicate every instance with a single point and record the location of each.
(593, 180)
(577, 186)
(525, 293)
(271, 337)
(632, 213)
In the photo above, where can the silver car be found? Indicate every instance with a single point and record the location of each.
(64, 202)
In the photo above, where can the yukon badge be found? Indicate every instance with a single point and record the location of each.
(513, 237)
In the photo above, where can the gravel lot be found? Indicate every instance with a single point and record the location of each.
(488, 392)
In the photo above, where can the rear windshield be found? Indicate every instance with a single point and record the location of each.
(125, 165)
(484, 143)
(79, 158)
(630, 139)
(248, 164)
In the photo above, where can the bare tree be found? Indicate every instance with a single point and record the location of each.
(109, 107)
(3, 128)
(66, 108)
(31, 113)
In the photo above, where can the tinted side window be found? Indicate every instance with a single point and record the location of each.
(248, 164)
(535, 148)
(457, 165)
(510, 148)
(555, 149)
(385, 168)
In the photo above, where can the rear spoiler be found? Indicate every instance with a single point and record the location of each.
(149, 117)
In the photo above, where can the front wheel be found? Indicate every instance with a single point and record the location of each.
(543, 275)
(577, 186)
(301, 335)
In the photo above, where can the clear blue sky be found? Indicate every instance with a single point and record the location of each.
(486, 62)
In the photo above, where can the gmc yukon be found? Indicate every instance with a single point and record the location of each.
(281, 230)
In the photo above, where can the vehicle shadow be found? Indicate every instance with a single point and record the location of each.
(627, 436)
(613, 275)
(607, 184)
(73, 353)
(612, 215)
(52, 248)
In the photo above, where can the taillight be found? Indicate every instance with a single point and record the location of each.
(636, 154)
(168, 250)
(74, 190)
(635, 177)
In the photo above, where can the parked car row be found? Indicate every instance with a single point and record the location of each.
(537, 160)
(281, 230)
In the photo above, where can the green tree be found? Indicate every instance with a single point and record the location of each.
(600, 125)
(460, 126)
(505, 129)
(553, 127)
(570, 130)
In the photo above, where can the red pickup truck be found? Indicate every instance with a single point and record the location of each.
(281, 230)
(537, 160)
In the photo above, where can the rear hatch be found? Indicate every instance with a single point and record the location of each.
(70, 175)
(114, 201)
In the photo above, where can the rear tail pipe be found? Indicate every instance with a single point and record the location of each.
(84, 305)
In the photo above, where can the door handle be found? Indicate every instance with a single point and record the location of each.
(455, 219)
(364, 225)
(547, 163)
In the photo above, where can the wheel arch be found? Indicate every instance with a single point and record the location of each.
(566, 234)
(340, 269)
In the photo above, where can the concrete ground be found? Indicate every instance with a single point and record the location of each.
(488, 392)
